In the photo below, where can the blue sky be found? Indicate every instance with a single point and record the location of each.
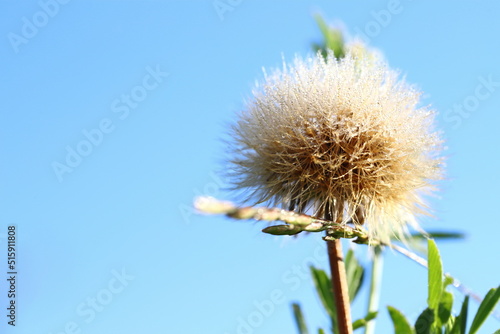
(113, 115)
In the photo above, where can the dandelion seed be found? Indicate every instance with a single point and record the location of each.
(344, 139)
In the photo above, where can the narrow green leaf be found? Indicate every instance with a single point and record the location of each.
(349, 258)
(321, 331)
(335, 42)
(449, 324)
(371, 316)
(358, 324)
(445, 306)
(322, 25)
(354, 273)
(460, 325)
(485, 309)
(299, 319)
(401, 324)
(323, 287)
(363, 321)
(435, 275)
(333, 38)
(424, 322)
(439, 235)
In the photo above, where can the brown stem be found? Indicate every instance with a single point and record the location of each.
(339, 285)
(337, 268)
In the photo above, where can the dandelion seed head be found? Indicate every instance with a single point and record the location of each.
(346, 139)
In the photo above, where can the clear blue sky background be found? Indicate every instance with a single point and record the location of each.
(109, 244)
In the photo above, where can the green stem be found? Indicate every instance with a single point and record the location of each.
(375, 284)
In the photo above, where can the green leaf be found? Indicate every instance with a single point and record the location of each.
(321, 331)
(363, 321)
(497, 331)
(333, 39)
(424, 322)
(322, 25)
(435, 275)
(401, 324)
(324, 289)
(299, 319)
(354, 273)
(460, 325)
(438, 235)
(445, 306)
(449, 324)
(486, 307)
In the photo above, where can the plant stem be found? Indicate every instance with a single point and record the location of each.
(375, 282)
(339, 285)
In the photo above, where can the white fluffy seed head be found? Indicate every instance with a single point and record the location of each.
(345, 138)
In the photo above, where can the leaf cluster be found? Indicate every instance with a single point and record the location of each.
(436, 318)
